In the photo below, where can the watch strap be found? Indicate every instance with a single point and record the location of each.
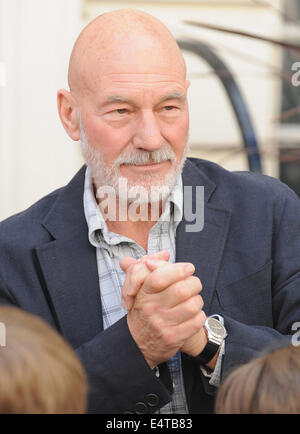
(209, 351)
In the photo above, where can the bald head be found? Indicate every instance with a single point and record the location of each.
(116, 37)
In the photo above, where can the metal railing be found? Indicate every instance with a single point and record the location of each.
(235, 97)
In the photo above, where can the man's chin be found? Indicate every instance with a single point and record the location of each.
(142, 189)
(143, 192)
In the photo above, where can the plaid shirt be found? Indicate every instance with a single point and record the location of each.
(111, 247)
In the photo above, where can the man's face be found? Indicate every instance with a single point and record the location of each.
(136, 123)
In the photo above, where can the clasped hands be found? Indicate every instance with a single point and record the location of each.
(164, 307)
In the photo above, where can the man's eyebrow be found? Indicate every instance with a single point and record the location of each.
(173, 95)
(116, 98)
(119, 98)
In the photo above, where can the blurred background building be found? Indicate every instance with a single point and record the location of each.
(255, 41)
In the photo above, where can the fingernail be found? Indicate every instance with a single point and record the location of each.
(124, 304)
(189, 268)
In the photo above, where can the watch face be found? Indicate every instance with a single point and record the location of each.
(216, 327)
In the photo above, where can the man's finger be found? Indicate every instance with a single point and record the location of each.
(165, 275)
(135, 277)
(181, 291)
(163, 255)
(153, 264)
(125, 262)
(139, 272)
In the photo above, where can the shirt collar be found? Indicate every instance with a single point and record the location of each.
(96, 221)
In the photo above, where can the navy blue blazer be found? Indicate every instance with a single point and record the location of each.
(247, 257)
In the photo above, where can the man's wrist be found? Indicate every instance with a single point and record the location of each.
(195, 345)
(212, 363)
(196, 352)
(207, 353)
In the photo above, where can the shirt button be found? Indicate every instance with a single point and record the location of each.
(141, 408)
(152, 400)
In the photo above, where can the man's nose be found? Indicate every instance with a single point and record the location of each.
(148, 134)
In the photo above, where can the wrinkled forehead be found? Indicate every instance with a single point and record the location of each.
(129, 65)
(136, 89)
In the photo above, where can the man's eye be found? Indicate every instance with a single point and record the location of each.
(170, 108)
(119, 114)
(121, 111)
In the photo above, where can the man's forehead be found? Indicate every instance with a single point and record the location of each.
(121, 98)
(117, 87)
(133, 98)
(157, 90)
(133, 73)
(133, 78)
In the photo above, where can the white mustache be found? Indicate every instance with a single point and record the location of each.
(139, 157)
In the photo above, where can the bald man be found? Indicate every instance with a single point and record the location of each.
(159, 310)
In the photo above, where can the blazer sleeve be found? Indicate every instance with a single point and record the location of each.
(120, 380)
(142, 392)
(246, 341)
(6, 298)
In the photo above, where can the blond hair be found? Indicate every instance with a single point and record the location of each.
(39, 371)
(269, 384)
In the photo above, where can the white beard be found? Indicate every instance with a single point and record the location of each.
(104, 175)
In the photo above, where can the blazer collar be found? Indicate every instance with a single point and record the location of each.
(66, 216)
(193, 176)
(69, 267)
(204, 248)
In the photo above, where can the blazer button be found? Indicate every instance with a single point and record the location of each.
(141, 408)
(152, 400)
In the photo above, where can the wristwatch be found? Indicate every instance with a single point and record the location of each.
(216, 334)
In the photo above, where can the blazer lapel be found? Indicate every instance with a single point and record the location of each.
(205, 248)
(69, 267)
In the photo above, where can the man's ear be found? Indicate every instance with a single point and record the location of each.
(68, 113)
